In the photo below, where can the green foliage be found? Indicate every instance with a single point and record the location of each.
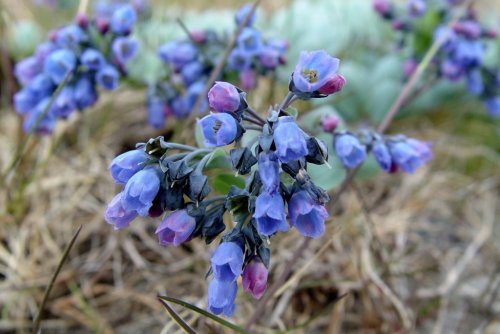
(223, 182)
(23, 38)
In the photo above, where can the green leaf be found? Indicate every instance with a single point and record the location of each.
(369, 169)
(177, 318)
(222, 182)
(206, 314)
(219, 159)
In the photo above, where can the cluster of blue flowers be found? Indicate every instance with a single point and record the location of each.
(159, 176)
(191, 61)
(462, 52)
(392, 153)
(78, 57)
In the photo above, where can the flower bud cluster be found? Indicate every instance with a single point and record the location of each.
(81, 57)
(192, 60)
(463, 49)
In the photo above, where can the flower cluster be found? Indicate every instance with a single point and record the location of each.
(192, 60)
(159, 176)
(392, 153)
(78, 57)
(463, 45)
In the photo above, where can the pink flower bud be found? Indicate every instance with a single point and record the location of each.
(255, 278)
(333, 85)
(329, 123)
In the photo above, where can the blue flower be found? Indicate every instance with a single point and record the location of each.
(141, 190)
(124, 49)
(423, 149)
(124, 166)
(85, 94)
(417, 8)
(269, 57)
(58, 64)
(44, 50)
(410, 154)
(156, 111)
(92, 59)
(192, 72)
(176, 228)
(451, 70)
(469, 53)
(24, 101)
(227, 262)
(475, 84)
(269, 171)
(239, 60)
(70, 36)
(313, 70)
(223, 96)
(243, 12)
(26, 70)
(270, 213)
(40, 120)
(382, 156)
(221, 297)
(123, 20)
(289, 139)
(107, 77)
(64, 103)
(218, 129)
(307, 216)
(249, 41)
(41, 86)
(349, 150)
(178, 54)
(116, 215)
(492, 104)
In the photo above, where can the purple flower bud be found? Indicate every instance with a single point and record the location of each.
(227, 262)
(270, 214)
(490, 33)
(239, 60)
(409, 67)
(329, 123)
(248, 79)
(289, 139)
(382, 156)
(116, 215)
(178, 54)
(59, 64)
(124, 49)
(124, 166)
(221, 296)
(218, 129)
(123, 20)
(70, 36)
(85, 94)
(269, 171)
(333, 85)
(349, 150)
(47, 122)
(102, 25)
(224, 97)
(475, 84)
(383, 7)
(107, 77)
(82, 20)
(27, 69)
(313, 70)
(141, 190)
(416, 8)
(176, 228)
(64, 102)
(249, 41)
(156, 112)
(492, 104)
(307, 216)
(468, 28)
(243, 12)
(254, 278)
(92, 59)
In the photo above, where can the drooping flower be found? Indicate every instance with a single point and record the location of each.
(416, 8)
(124, 49)
(40, 120)
(140, 191)
(224, 97)
(250, 41)
(156, 111)
(227, 262)
(123, 20)
(116, 215)
(85, 94)
(107, 77)
(178, 54)
(64, 103)
(221, 297)
(269, 171)
(176, 228)
(218, 129)
(307, 216)
(59, 64)
(124, 166)
(254, 278)
(70, 36)
(92, 59)
(410, 154)
(270, 213)
(493, 106)
(289, 139)
(349, 150)
(243, 12)
(382, 155)
(313, 70)
(26, 70)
